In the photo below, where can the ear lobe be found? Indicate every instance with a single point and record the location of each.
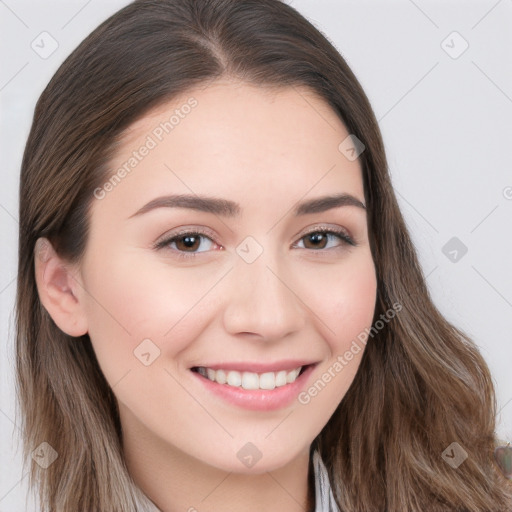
(58, 289)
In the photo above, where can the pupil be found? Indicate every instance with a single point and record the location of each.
(317, 239)
(189, 241)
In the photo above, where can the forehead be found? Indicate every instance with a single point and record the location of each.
(228, 138)
(236, 99)
(240, 115)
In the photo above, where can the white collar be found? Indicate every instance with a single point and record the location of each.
(324, 499)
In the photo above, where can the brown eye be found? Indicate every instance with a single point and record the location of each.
(188, 242)
(315, 241)
(191, 243)
(326, 239)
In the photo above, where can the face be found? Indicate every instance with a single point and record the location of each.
(246, 275)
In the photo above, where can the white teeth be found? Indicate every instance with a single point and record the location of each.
(268, 380)
(219, 376)
(250, 380)
(234, 379)
(291, 376)
(280, 378)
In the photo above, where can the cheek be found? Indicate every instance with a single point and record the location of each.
(345, 299)
(135, 300)
(344, 307)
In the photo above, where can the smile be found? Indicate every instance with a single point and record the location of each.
(250, 380)
(254, 386)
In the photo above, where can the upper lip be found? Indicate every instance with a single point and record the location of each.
(255, 367)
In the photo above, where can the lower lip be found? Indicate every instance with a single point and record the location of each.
(258, 399)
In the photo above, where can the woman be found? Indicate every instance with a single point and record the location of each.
(219, 305)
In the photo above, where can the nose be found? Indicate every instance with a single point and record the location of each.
(261, 301)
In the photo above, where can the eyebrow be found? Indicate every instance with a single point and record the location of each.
(226, 208)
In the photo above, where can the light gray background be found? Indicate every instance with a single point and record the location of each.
(446, 124)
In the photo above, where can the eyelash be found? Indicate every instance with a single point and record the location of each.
(342, 236)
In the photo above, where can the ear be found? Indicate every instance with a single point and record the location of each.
(59, 289)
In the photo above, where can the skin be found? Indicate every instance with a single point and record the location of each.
(266, 150)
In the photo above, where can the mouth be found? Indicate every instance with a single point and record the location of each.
(251, 380)
(253, 386)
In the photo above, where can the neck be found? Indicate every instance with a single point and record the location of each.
(176, 481)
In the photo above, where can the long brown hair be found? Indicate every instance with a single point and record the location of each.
(422, 383)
